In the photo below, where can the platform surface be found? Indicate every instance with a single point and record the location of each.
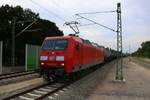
(136, 86)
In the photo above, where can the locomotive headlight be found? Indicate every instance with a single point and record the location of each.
(62, 64)
(59, 58)
(42, 63)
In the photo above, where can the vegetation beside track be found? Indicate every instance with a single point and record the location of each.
(144, 51)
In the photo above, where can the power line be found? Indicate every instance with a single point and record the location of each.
(99, 12)
(119, 67)
(58, 6)
(95, 22)
(25, 28)
(50, 12)
(86, 24)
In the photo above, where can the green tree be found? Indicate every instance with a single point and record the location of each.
(144, 51)
(45, 28)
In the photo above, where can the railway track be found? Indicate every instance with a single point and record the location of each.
(40, 92)
(50, 89)
(17, 74)
(46, 90)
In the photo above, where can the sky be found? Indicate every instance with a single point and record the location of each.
(135, 19)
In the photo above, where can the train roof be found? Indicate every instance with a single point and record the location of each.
(67, 37)
(76, 38)
(57, 37)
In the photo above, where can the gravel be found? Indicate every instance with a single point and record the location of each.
(15, 88)
(18, 79)
(81, 89)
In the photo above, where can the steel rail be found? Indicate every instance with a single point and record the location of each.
(55, 88)
(17, 74)
(27, 91)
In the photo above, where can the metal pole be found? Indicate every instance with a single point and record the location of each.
(1, 56)
(25, 28)
(26, 55)
(119, 67)
(13, 41)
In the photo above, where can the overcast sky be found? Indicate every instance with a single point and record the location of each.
(135, 18)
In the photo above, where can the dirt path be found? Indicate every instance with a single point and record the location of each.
(136, 87)
(145, 62)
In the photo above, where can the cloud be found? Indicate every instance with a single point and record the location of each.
(135, 18)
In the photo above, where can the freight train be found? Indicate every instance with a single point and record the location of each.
(70, 54)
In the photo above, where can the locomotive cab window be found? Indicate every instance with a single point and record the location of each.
(54, 45)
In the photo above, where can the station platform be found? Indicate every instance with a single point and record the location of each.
(135, 87)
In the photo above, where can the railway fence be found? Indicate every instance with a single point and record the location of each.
(31, 57)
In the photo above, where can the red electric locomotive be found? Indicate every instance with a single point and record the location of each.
(68, 54)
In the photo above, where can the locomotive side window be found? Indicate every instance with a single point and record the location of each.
(54, 45)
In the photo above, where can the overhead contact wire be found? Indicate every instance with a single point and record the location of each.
(50, 12)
